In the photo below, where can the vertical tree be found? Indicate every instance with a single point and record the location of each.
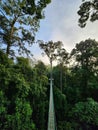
(62, 59)
(50, 50)
(19, 22)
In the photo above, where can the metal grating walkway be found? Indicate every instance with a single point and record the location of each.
(51, 116)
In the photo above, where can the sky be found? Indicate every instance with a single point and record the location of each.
(61, 24)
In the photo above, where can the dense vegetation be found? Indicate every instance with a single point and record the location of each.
(24, 91)
(24, 85)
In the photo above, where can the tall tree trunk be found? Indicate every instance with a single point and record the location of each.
(8, 49)
(61, 76)
(10, 36)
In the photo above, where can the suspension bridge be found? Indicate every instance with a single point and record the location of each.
(51, 114)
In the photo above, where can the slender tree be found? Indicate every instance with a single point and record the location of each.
(62, 58)
(50, 49)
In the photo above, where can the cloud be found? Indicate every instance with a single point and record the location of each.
(65, 25)
(61, 24)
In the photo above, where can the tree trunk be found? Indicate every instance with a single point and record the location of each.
(10, 36)
(8, 49)
(61, 75)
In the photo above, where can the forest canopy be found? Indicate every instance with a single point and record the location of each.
(24, 91)
(25, 83)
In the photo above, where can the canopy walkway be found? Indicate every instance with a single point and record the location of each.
(51, 115)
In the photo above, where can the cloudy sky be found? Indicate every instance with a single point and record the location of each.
(61, 24)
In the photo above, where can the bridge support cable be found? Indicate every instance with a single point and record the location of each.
(51, 114)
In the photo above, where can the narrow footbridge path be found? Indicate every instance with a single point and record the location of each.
(51, 115)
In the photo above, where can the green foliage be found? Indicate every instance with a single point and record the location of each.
(85, 114)
(88, 10)
(38, 95)
(21, 119)
(24, 91)
(19, 23)
(4, 59)
(50, 49)
(21, 87)
(59, 74)
(60, 104)
(86, 52)
(3, 110)
(86, 57)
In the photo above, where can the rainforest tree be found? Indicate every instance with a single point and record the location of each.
(19, 21)
(86, 57)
